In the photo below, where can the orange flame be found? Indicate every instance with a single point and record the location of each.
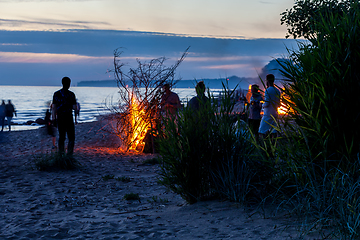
(139, 125)
(282, 110)
(284, 105)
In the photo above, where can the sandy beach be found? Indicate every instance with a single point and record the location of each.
(86, 204)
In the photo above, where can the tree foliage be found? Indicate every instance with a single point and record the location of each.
(304, 17)
(325, 83)
(317, 153)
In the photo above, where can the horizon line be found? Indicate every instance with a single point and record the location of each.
(166, 34)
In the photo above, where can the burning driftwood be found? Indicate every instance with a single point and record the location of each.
(140, 94)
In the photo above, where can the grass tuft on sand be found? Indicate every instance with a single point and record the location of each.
(55, 161)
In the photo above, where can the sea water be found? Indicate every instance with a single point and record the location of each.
(31, 102)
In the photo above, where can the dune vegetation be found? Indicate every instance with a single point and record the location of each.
(311, 170)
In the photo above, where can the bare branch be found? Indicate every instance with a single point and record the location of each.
(140, 94)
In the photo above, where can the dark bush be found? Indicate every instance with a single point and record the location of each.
(199, 150)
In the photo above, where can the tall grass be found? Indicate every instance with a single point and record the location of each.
(324, 85)
(312, 168)
(203, 150)
(231, 170)
(325, 199)
(318, 152)
(185, 151)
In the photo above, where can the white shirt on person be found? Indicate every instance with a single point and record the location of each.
(272, 103)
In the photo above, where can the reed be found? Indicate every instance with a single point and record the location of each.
(206, 153)
(316, 160)
(311, 168)
(184, 146)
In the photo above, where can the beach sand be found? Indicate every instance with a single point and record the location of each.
(82, 204)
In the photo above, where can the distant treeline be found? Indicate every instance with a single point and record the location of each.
(98, 83)
(230, 82)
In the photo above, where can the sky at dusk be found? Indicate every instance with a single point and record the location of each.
(42, 41)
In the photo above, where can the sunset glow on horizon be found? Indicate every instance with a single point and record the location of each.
(79, 37)
(209, 18)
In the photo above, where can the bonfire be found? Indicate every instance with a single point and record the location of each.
(137, 111)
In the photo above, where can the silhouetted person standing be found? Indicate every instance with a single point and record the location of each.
(272, 102)
(200, 106)
(170, 101)
(9, 113)
(255, 110)
(77, 112)
(2, 115)
(200, 100)
(64, 102)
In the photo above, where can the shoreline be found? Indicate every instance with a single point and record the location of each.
(26, 127)
(89, 202)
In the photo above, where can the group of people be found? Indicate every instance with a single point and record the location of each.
(170, 101)
(64, 102)
(6, 111)
(59, 115)
(259, 125)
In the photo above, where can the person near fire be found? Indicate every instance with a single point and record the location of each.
(200, 99)
(170, 101)
(200, 107)
(254, 110)
(64, 102)
(270, 106)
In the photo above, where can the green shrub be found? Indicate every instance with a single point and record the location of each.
(232, 168)
(316, 160)
(123, 179)
(323, 87)
(156, 199)
(151, 161)
(200, 148)
(132, 196)
(108, 177)
(185, 151)
(328, 203)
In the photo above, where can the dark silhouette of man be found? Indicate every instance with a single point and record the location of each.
(9, 113)
(170, 101)
(64, 102)
(200, 100)
(200, 106)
